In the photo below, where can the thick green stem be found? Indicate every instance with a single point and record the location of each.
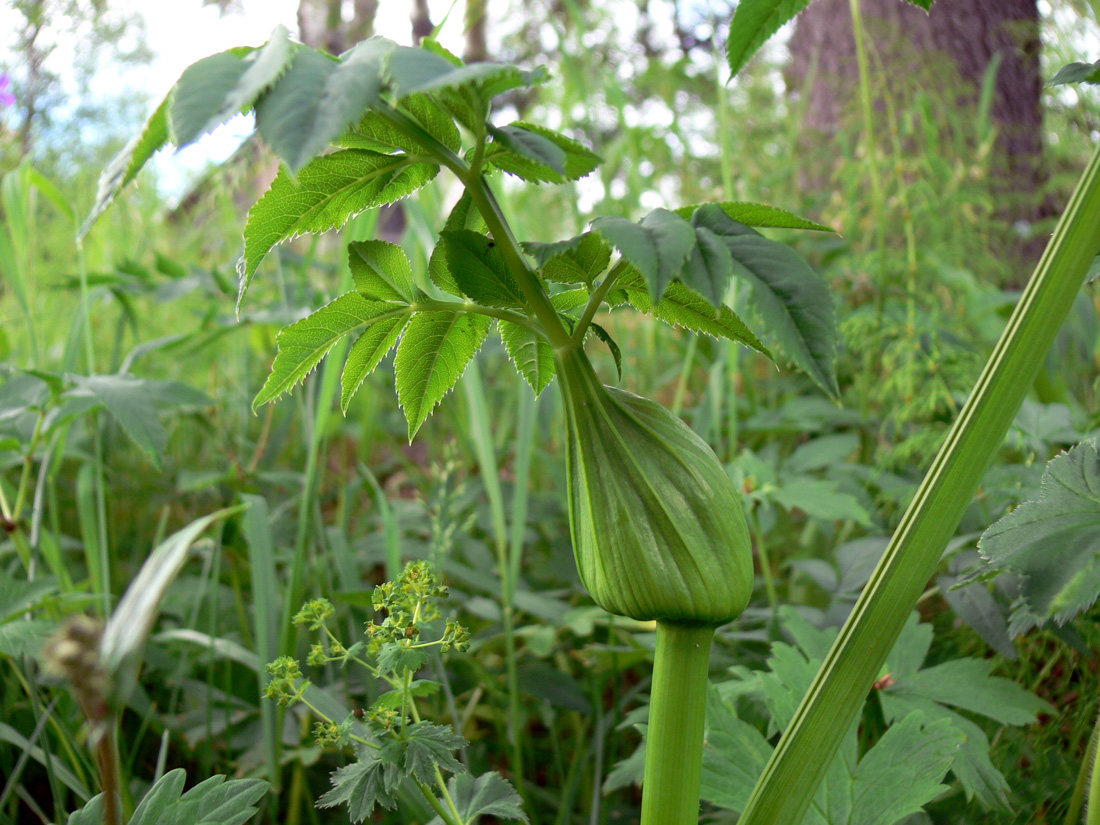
(674, 742)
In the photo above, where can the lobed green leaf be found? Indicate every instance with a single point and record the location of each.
(488, 795)
(363, 785)
(1053, 543)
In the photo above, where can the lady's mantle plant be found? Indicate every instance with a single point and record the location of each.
(657, 526)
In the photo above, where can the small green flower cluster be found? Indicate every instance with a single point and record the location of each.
(409, 603)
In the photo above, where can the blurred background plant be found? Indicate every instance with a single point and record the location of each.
(126, 384)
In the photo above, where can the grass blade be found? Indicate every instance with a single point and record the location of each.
(784, 792)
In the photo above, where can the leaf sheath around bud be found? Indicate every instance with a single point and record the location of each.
(657, 525)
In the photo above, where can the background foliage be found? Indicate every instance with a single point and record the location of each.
(126, 413)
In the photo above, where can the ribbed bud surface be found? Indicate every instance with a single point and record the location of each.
(657, 525)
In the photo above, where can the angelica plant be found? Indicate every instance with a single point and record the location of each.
(658, 527)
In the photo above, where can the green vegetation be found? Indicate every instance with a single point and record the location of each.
(787, 590)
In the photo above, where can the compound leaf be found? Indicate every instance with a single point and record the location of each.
(165, 793)
(794, 302)
(302, 345)
(367, 353)
(682, 307)
(904, 770)
(124, 166)
(753, 23)
(328, 190)
(535, 153)
(432, 357)
(757, 214)
(658, 246)
(1077, 73)
(218, 87)
(318, 99)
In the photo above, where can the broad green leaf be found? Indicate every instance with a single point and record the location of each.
(216, 801)
(432, 357)
(820, 499)
(411, 70)
(530, 352)
(163, 794)
(126, 631)
(904, 770)
(1077, 73)
(25, 637)
(326, 193)
(757, 214)
(363, 785)
(318, 99)
(488, 795)
(794, 302)
(124, 166)
(1053, 544)
(367, 353)
(753, 24)
(381, 271)
(682, 307)
(19, 596)
(658, 246)
(734, 755)
(375, 132)
(709, 267)
(578, 260)
(218, 87)
(90, 814)
(478, 269)
(302, 345)
(427, 746)
(569, 299)
(535, 153)
(129, 402)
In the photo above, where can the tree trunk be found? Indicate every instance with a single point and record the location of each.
(906, 42)
(321, 23)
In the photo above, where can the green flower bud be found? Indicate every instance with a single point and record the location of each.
(657, 525)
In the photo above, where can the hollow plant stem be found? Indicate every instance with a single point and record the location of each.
(674, 741)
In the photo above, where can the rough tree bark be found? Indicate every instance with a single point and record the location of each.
(970, 33)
